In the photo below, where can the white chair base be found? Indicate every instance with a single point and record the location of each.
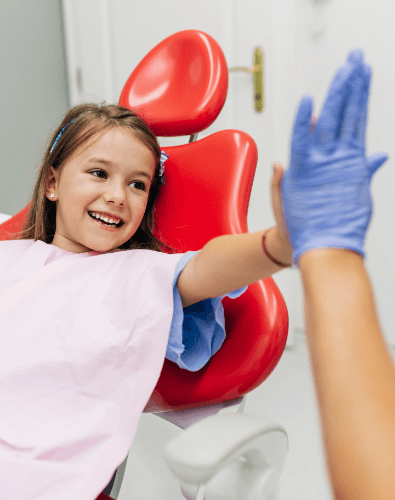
(238, 481)
(237, 456)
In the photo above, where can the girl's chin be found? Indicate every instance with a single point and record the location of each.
(103, 247)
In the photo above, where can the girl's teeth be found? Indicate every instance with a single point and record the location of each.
(106, 219)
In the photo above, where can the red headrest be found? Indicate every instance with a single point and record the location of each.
(180, 86)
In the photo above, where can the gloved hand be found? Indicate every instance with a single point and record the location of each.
(326, 189)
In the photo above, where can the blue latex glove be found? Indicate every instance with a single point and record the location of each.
(326, 190)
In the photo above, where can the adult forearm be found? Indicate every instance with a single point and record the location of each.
(353, 373)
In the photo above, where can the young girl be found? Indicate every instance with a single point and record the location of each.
(90, 305)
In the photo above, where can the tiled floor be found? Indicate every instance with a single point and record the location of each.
(287, 397)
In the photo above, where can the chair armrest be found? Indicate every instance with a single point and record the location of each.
(199, 453)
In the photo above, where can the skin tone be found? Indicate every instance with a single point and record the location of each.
(354, 375)
(109, 173)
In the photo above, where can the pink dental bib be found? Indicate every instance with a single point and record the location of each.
(83, 341)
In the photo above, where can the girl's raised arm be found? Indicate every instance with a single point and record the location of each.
(228, 263)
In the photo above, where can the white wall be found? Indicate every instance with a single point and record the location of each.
(328, 30)
(33, 87)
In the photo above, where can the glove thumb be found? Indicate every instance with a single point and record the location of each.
(375, 161)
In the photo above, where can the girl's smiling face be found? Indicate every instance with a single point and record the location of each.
(109, 174)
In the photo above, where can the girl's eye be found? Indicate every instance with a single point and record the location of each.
(98, 171)
(139, 185)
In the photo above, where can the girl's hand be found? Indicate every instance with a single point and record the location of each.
(277, 206)
(280, 229)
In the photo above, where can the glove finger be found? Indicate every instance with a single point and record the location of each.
(301, 134)
(361, 130)
(353, 109)
(328, 124)
(375, 161)
(355, 56)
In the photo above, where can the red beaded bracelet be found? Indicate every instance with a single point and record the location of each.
(267, 253)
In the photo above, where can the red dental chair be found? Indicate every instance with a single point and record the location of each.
(179, 88)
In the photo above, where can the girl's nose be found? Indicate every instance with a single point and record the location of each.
(116, 195)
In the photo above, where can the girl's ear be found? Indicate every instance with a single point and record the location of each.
(53, 175)
(51, 181)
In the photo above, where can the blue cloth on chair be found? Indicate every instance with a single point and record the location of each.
(198, 331)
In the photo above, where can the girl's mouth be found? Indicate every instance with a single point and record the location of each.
(104, 224)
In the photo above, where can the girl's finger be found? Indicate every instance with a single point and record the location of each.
(278, 170)
(312, 124)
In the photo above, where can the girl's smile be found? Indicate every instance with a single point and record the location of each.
(101, 192)
(107, 220)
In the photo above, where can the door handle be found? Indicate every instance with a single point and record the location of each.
(257, 71)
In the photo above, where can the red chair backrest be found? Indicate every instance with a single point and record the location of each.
(207, 191)
(13, 225)
(180, 86)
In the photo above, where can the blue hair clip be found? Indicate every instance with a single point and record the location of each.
(163, 158)
(60, 133)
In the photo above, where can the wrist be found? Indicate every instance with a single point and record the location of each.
(329, 257)
(278, 247)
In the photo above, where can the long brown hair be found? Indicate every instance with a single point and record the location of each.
(80, 124)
